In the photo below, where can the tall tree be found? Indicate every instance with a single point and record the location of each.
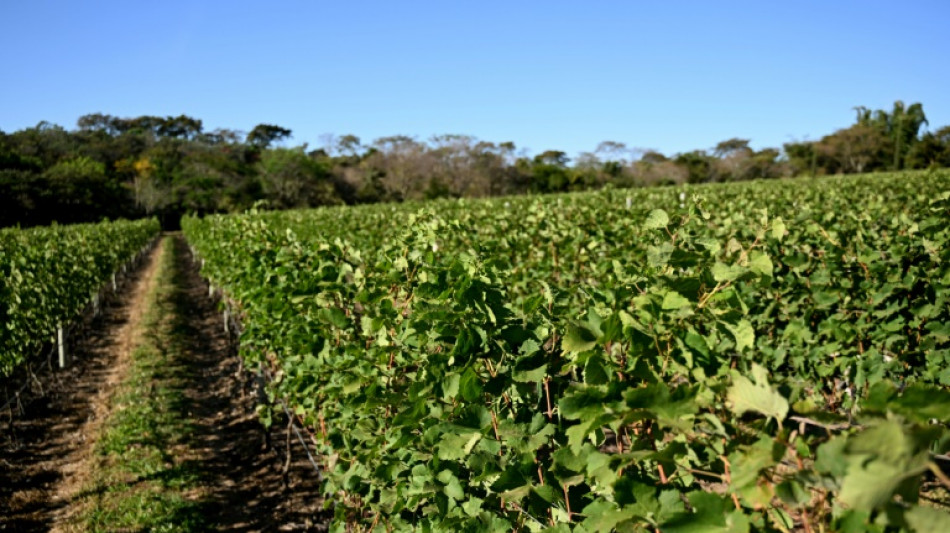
(263, 135)
(549, 171)
(905, 126)
(181, 127)
(859, 148)
(932, 150)
(291, 178)
(698, 165)
(802, 158)
(902, 126)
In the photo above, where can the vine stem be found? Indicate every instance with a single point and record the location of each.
(491, 367)
(745, 252)
(494, 424)
(939, 473)
(719, 286)
(620, 445)
(706, 473)
(659, 467)
(567, 503)
(727, 476)
(827, 427)
(547, 396)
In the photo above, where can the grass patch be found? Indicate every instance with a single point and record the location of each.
(140, 482)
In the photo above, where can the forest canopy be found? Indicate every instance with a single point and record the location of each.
(111, 167)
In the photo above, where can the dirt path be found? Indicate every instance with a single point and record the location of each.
(46, 452)
(246, 488)
(44, 465)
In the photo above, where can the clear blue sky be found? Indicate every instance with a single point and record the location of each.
(672, 76)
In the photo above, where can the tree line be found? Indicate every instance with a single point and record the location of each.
(111, 167)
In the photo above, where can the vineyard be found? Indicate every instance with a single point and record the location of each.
(746, 357)
(48, 275)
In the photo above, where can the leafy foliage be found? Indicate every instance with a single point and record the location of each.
(729, 358)
(165, 166)
(48, 274)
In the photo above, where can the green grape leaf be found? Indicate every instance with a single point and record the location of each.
(927, 519)
(604, 516)
(883, 460)
(743, 333)
(457, 445)
(709, 515)
(722, 272)
(756, 395)
(674, 300)
(778, 228)
(578, 339)
(760, 263)
(656, 219)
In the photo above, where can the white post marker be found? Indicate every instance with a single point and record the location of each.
(629, 202)
(226, 320)
(115, 287)
(61, 346)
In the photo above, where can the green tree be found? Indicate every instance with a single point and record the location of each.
(99, 122)
(81, 190)
(765, 164)
(901, 126)
(290, 178)
(552, 157)
(549, 172)
(905, 126)
(802, 158)
(862, 147)
(349, 145)
(698, 165)
(932, 150)
(263, 135)
(180, 127)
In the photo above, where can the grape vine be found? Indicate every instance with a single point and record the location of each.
(48, 274)
(768, 356)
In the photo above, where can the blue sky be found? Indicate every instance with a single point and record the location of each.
(672, 76)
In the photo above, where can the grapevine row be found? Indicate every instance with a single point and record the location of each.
(49, 274)
(750, 357)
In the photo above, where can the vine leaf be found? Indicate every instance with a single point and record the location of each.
(882, 460)
(760, 264)
(656, 219)
(927, 519)
(757, 395)
(578, 339)
(457, 445)
(778, 228)
(709, 516)
(674, 300)
(743, 333)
